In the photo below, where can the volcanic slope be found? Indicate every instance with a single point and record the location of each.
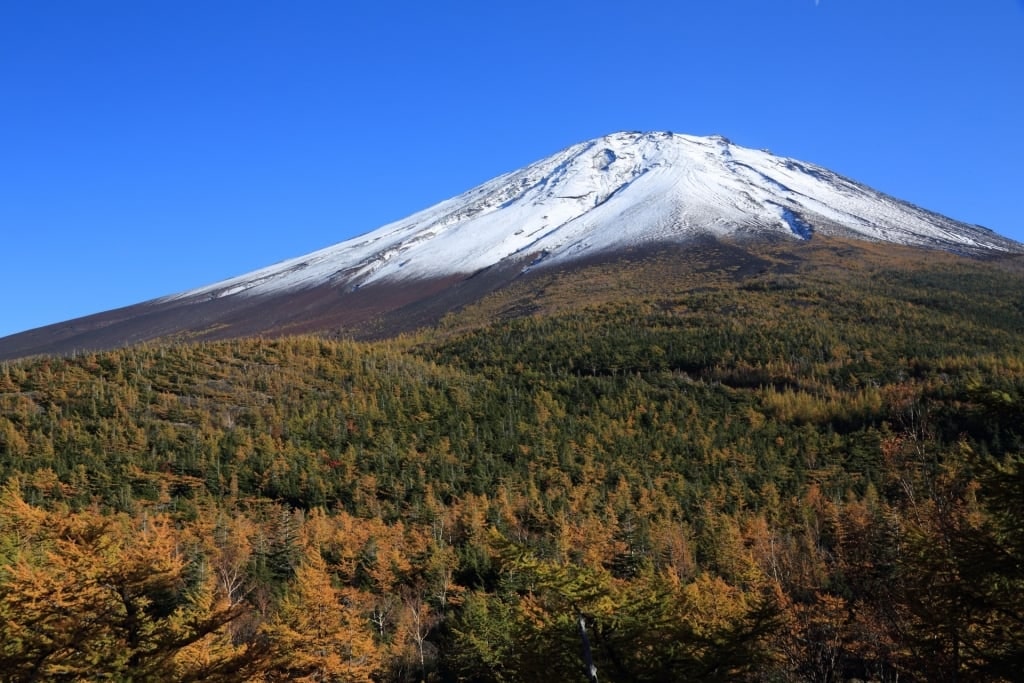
(625, 193)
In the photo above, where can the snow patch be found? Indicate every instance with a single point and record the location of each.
(797, 225)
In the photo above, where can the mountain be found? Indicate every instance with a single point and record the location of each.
(625, 193)
(747, 454)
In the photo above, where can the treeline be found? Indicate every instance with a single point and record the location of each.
(790, 479)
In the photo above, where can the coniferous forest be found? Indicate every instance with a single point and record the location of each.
(795, 472)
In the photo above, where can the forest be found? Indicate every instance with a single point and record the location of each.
(801, 474)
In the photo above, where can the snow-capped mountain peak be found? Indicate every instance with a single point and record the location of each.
(618, 191)
(626, 193)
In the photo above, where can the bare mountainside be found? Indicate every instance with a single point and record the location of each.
(619, 197)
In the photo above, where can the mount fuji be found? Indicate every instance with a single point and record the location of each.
(625, 192)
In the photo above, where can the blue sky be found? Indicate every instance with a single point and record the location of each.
(152, 146)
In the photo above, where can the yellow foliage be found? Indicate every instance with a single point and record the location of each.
(320, 632)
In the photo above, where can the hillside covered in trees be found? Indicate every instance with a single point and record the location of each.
(763, 471)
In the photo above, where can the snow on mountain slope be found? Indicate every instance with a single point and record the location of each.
(622, 190)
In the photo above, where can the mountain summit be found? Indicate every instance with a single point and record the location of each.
(618, 193)
(622, 190)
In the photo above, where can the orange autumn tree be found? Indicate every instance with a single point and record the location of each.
(85, 596)
(320, 630)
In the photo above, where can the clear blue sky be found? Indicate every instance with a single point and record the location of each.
(152, 146)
